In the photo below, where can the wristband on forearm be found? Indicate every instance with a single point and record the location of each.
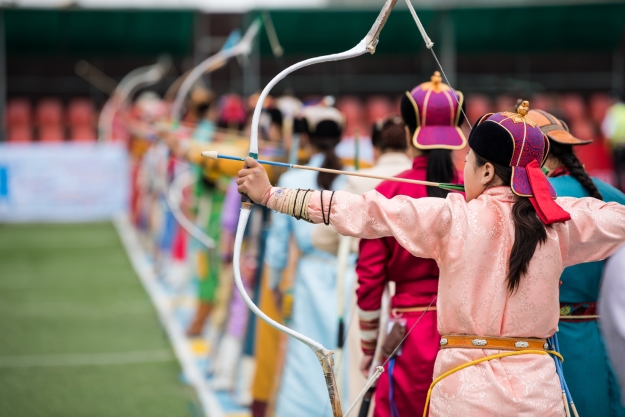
(293, 202)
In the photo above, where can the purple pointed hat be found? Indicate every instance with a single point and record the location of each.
(527, 143)
(514, 140)
(437, 107)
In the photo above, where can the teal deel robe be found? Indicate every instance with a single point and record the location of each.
(587, 370)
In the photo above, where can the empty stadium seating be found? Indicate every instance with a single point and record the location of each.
(50, 121)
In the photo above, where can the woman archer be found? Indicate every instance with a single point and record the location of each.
(500, 253)
(580, 339)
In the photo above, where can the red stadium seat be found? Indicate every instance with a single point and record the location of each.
(51, 133)
(354, 113)
(50, 112)
(81, 112)
(505, 103)
(82, 134)
(378, 107)
(19, 134)
(573, 107)
(18, 112)
(599, 105)
(542, 102)
(583, 129)
(476, 106)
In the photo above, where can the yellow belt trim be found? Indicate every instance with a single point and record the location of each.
(475, 362)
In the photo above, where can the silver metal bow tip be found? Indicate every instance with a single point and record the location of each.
(372, 37)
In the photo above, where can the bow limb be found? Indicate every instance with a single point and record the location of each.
(173, 195)
(173, 198)
(244, 47)
(429, 44)
(323, 355)
(367, 44)
(356, 51)
(135, 79)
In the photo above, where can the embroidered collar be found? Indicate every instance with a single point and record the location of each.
(420, 162)
(561, 171)
(501, 193)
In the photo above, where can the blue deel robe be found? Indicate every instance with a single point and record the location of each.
(587, 370)
(303, 390)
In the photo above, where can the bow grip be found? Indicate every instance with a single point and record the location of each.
(246, 201)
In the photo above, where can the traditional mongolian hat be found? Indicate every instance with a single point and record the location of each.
(513, 139)
(434, 108)
(321, 121)
(554, 128)
(232, 111)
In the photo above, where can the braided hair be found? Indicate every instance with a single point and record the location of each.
(564, 153)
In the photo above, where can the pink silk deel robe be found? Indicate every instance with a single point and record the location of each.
(471, 242)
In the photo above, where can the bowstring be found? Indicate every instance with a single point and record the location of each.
(409, 331)
(452, 89)
(401, 341)
(430, 45)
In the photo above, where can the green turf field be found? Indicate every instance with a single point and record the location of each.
(78, 334)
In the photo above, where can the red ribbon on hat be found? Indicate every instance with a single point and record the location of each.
(547, 209)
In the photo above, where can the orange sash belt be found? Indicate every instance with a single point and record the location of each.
(399, 311)
(488, 342)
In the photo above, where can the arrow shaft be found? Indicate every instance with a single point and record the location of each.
(341, 172)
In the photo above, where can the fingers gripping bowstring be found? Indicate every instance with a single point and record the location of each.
(429, 44)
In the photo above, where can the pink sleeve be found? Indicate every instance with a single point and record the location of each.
(421, 225)
(595, 231)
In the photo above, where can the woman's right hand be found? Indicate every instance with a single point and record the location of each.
(254, 182)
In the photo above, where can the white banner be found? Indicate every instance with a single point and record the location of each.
(62, 182)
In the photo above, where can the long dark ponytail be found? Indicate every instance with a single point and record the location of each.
(330, 160)
(440, 164)
(565, 154)
(440, 169)
(529, 230)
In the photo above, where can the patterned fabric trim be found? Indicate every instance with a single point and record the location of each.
(369, 323)
(368, 347)
(368, 334)
(369, 315)
(578, 309)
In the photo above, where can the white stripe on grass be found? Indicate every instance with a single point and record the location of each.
(87, 359)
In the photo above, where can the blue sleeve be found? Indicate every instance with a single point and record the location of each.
(277, 246)
(609, 193)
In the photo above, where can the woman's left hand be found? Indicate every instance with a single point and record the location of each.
(254, 182)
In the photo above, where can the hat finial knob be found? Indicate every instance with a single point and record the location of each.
(436, 79)
(524, 108)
